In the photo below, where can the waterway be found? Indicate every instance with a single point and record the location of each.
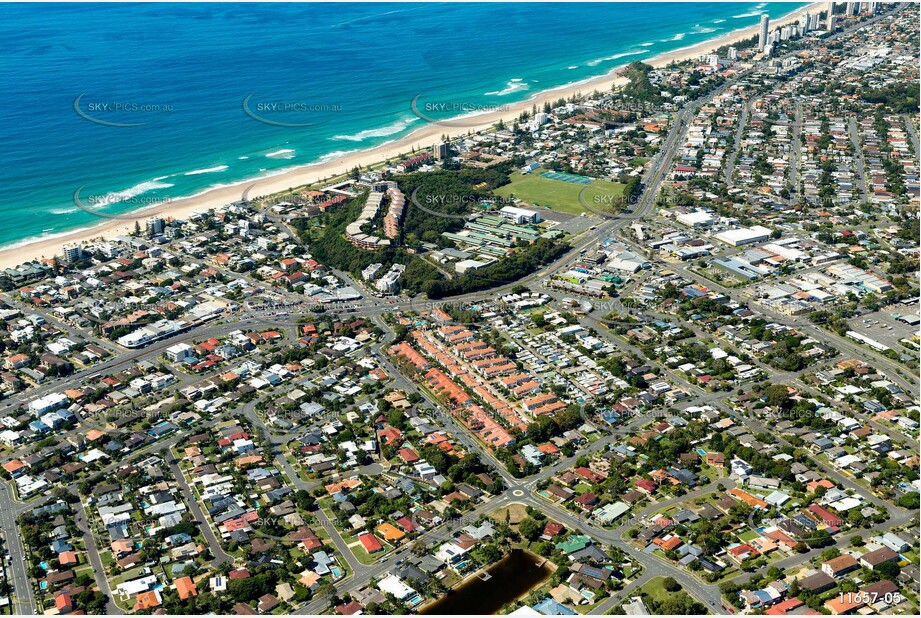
(513, 576)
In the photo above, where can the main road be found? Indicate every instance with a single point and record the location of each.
(23, 599)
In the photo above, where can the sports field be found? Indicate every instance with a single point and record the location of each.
(562, 195)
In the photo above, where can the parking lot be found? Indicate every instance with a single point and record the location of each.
(885, 328)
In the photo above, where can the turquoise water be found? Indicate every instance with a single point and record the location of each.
(357, 67)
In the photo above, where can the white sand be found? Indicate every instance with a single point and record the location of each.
(422, 139)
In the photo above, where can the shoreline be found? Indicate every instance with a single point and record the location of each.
(423, 138)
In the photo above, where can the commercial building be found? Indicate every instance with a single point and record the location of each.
(744, 235)
(464, 265)
(388, 283)
(152, 332)
(519, 215)
(52, 401)
(179, 352)
(626, 261)
(740, 268)
(697, 218)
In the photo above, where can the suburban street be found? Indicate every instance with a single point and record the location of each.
(255, 407)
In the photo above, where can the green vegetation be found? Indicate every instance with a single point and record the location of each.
(326, 237)
(901, 98)
(561, 196)
(909, 500)
(454, 193)
(639, 88)
(510, 269)
(663, 595)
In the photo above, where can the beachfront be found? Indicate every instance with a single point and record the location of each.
(422, 138)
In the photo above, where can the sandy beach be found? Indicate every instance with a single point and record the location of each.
(423, 138)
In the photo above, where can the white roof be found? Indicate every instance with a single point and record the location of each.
(743, 234)
(698, 216)
(513, 210)
(393, 585)
(135, 586)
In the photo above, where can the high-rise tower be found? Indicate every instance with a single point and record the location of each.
(763, 34)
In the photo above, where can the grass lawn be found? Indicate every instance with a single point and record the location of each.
(559, 195)
(751, 535)
(127, 575)
(451, 579)
(359, 550)
(655, 588)
(321, 531)
(730, 573)
(516, 513)
(582, 488)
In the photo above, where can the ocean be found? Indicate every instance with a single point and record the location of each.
(127, 106)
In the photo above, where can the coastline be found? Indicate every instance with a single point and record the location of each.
(422, 138)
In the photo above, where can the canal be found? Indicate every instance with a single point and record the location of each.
(510, 578)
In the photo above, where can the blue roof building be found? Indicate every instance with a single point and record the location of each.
(550, 607)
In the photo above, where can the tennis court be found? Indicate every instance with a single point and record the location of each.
(582, 180)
